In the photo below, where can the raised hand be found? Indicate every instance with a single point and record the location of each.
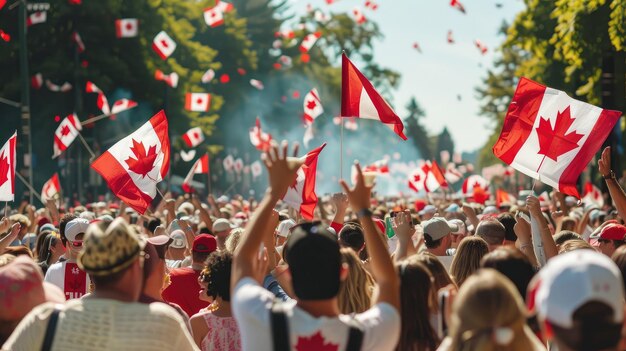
(282, 172)
(402, 226)
(340, 200)
(604, 164)
(534, 207)
(360, 194)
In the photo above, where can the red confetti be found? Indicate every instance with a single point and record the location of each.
(5, 36)
(296, 94)
(224, 78)
(84, 63)
(278, 66)
(241, 71)
(305, 58)
(57, 118)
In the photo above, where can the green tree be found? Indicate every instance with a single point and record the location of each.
(415, 130)
(444, 143)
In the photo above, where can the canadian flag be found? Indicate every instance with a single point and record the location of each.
(452, 174)
(360, 99)
(308, 41)
(36, 81)
(379, 166)
(65, 134)
(208, 76)
(457, 5)
(258, 138)
(213, 17)
(193, 137)
(450, 38)
(472, 182)
(359, 17)
(36, 17)
(285, 33)
(592, 195)
(551, 137)
(312, 106)
(136, 164)
(257, 84)
(238, 165)
(481, 46)
(502, 197)
(228, 163)
(301, 195)
(126, 27)
(169, 79)
(163, 45)
(78, 41)
(427, 178)
(7, 169)
(256, 169)
(199, 102)
(101, 102)
(201, 166)
(122, 105)
(51, 189)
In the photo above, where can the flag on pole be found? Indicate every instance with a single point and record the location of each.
(78, 41)
(122, 105)
(65, 134)
(201, 166)
(258, 138)
(126, 27)
(193, 137)
(36, 18)
(360, 99)
(551, 137)
(163, 45)
(101, 102)
(7, 169)
(135, 165)
(51, 189)
(301, 195)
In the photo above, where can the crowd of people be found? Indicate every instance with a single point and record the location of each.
(242, 274)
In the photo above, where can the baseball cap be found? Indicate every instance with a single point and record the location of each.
(221, 225)
(110, 251)
(490, 210)
(284, 227)
(179, 241)
(428, 209)
(452, 208)
(596, 232)
(438, 227)
(613, 232)
(204, 243)
(74, 227)
(461, 230)
(25, 289)
(593, 277)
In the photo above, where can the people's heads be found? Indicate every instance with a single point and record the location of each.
(62, 223)
(282, 231)
(153, 223)
(437, 234)
(466, 261)
(314, 260)
(154, 263)
(113, 258)
(203, 246)
(427, 212)
(492, 231)
(619, 257)
(23, 288)
(488, 314)
(351, 235)
(611, 237)
(435, 267)
(568, 223)
(565, 235)
(508, 221)
(233, 239)
(178, 245)
(575, 244)
(356, 290)
(579, 301)
(513, 264)
(221, 228)
(51, 248)
(74, 233)
(417, 302)
(215, 277)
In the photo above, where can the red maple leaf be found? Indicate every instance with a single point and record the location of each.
(555, 142)
(65, 130)
(144, 162)
(4, 169)
(311, 104)
(315, 342)
(417, 178)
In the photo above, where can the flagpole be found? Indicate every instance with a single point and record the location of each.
(208, 178)
(30, 187)
(6, 208)
(341, 152)
(102, 116)
(82, 140)
(231, 186)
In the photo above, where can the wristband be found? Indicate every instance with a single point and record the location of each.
(364, 213)
(611, 175)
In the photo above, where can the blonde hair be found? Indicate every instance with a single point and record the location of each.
(467, 258)
(233, 239)
(488, 305)
(355, 293)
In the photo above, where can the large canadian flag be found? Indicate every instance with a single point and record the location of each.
(126, 27)
(360, 99)
(65, 134)
(7, 169)
(301, 195)
(201, 166)
(258, 138)
(163, 45)
(551, 137)
(51, 189)
(199, 102)
(193, 137)
(136, 164)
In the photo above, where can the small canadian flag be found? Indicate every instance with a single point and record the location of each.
(312, 106)
(36, 81)
(592, 195)
(126, 27)
(309, 41)
(36, 18)
(163, 45)
(193, 137)
(122, 105)
(256, 169)
(208, 76)
(78, 41)
(7, 169)
(101, 101)
(238, 165)
(136, 164)
(213, 17)
(51, 189)
(198, 102)
(169, 79)
(201, 166)
(301, 195)
(65, 134)
(228, 163)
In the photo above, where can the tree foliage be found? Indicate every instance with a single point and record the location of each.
(416, 131)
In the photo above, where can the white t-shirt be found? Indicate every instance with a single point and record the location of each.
(72, 288)
(251, 306)
(446, 261)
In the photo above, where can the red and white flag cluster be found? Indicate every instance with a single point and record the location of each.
(65, 134)
(169, 79)
(193, 137)
(201, 166)
(551, 137)
(214, 16)
(427, 177)
(301, 195)
(7, 169)
(258, 138)
(126, 27)
(51, 189)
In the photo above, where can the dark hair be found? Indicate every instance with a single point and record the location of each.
(39, 250)
(282, 217)
(435, 267)
(619, 257)
(492, 231)
(430, 243)
(568, 223)
(351, 235)
(593, 330)
(153, 223)
(508, 221)
(199, 257)
(43, 252)
(18, 251)
(565, 235)
(62, 223)
(217, 274)
(513, 264)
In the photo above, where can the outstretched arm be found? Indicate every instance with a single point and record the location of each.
(615, 190)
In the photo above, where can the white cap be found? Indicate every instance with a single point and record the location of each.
(75, 227)
(284, 227)
(461, 230)
(179, 241)
(572, 279)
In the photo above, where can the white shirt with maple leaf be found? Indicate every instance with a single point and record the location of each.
(251, 307)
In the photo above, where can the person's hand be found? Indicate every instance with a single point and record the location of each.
(468, 210)
(522, 229)
(359, 195)
(15, 230)
(534, 206)
(604, 164)
(196, 202)
(340, 200)
(4, 225)
(402, 226)
(170, 205)
(260, 266)
(557, 216)
(282, 174)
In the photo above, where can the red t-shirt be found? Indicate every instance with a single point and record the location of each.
(184, 290)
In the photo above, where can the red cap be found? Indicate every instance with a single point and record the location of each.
(613, 232)
(204, 243)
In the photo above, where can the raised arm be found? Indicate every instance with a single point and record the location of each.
(403, 227)
(615, 190)
(380, 263)
(542, 238)
(204, 214)
(470, 213)
(281, 176)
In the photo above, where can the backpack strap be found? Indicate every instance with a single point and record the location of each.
(355, 336)
(51, 329)
(279, 326)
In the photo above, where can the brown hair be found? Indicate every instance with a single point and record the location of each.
(619, 257)
(574, 244)
(466, 261)
(355, 293)
(436, 268)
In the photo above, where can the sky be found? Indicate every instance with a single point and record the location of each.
(442, 71)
